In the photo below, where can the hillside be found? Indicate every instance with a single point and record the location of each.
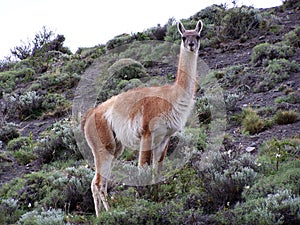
(252, 175)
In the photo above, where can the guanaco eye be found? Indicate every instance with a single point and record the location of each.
(198, 38)
(183, 38)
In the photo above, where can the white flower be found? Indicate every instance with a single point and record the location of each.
(278, 156)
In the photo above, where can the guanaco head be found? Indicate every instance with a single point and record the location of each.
(190, 38)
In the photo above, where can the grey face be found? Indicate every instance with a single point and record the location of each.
(191, 38)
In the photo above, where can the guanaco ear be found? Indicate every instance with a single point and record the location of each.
(199, 27)
(181, 28)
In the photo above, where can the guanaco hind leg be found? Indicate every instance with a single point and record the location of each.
(99, 183)
(101, 140)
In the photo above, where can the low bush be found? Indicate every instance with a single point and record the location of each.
(67, 189)
(281, 207)
(126, 85)
(7, 82)
(251, 122)
(286, 177)
(55, 104)
(22, 149)
(29, 105)
(286, 117)
(146, 212)
(276, 71)
(239, 21)
(43, 217)
(292, 38)
(32, 105)
(58, 143)
(10, 211)
(265, 51)
(224, 177)
(203, 110)
(123, 75)
(230, 76)
(280, 69)
(58, 82)
(74, 66)
(292, 98)
(8, 131)
(118, 41)
(274, 152)
(291, 4)
(127, 69)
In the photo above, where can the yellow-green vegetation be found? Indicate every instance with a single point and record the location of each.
(286, 117)
(251, 122)
(277, 151)
(267, 51)
(22, 149)
(284, 49)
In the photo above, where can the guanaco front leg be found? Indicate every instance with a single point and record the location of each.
(145, 150)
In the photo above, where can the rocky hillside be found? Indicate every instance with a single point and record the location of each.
(253, 173)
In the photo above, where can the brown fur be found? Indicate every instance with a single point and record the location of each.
(144, 117)
(84, 118)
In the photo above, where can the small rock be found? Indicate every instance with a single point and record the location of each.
(250, 149)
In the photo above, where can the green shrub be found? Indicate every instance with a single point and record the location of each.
(230, 76)
(239, 21)
(58, 82)
(43, 217)
(22, 149)
(118, 41)
(23, 106)
(211, 14)
(224, 178)
(74, 66)
(29, 104)
(127, 69)
(20, 143)
(123, 75)
(10, 211)
(231, 100)
(291, 4)
(145, 212)
(293, 98)
(58, 142)
(8, 132)
(64, 188)
(55, 104)
(281, 207)
(286, 117)
(252, 122)
(280, 69)
(125, 85)
(277, 70)
(286, 177)
(7, 82)
(292, 38)
(265, 51)
(93, 52)
(277, 151)
(203, 109)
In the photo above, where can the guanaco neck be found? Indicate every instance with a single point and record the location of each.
(187, 71)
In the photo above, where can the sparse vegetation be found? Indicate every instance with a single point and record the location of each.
(251, 122)
(286, 117)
